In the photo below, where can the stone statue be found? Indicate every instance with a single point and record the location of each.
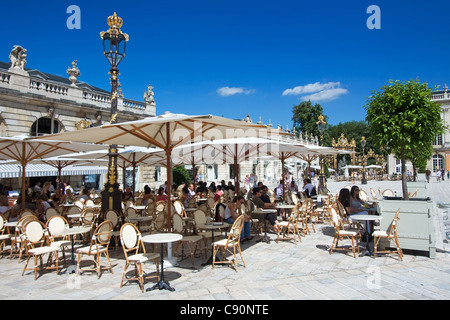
(18, 57)
(73, 73)
(149, 96)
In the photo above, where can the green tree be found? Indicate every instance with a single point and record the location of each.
(305, 117)
(180, 174)
(402, 117)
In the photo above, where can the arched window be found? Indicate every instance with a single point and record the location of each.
(45, 126)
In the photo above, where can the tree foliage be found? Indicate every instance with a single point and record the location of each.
(305, 117)
(403, 118)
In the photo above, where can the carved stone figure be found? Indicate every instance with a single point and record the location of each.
(149, 96)
(18, 57)
(73, 72)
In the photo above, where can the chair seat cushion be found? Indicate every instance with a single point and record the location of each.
(223, 243)
(43, 250)
(347, 233)
(143, 257)
(5, 237)
(93, 250)
(380, 234)
(60, 244)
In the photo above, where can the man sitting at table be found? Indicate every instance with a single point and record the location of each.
(260, 204)
(308, 188)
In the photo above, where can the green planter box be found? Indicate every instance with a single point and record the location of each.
(416, 226)
(421, 187)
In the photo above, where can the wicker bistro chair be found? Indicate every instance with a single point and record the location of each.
(289, 227)
(99, 245)
(233, 242)
(18, 242)
(192, 241)
(35, 237)
(51, 212)
(55, 228)
(3, 237)
(340, 233)
(179, 208)
(131, 241)
(114, 217)
(390, 235)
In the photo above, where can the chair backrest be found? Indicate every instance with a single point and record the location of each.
(7, 214)
(199, 217)
(159, 221)
(235, 231)
(79, 204)
(2, 224)
(25, 212)
(35, 232)
(294, 198)
(51, 212)
(374, 195)
(102, 234)
(335, 219)
(139, 202)
(112, 216)
(363, 195)
(56, 226)
(88, 216)
(179, 208)
(130, 237)
(393, 225)
(210, 201)
(89, 203)
(388, 193)
(160, 206)
(24, 220)
(74, 210)
(205, 208)
(131, 212)
(150, 208)
(178, 226)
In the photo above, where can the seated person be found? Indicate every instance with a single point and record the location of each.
(260, 204)
(148, 194)
(188, 193)
(233, 211)
(308, 188)
(202, 188)
(42, 205)
(357, 206)
(127, 195)
(161, 195)
(293, 188)
(279, 190)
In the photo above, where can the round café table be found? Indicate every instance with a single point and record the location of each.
(363, 218)
(162, 238)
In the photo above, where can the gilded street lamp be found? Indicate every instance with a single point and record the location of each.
(364, 160)
(114, 45)
(321, 126)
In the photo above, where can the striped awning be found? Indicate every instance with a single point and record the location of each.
(43, 170)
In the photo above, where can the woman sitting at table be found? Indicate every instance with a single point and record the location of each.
(358, 206)
(58, 198)
(232, 211)
(161, 195)
(148, 194)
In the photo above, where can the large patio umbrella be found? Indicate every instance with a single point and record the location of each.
(167, 132)
(26, 149)
(129, 156)
(235, 151)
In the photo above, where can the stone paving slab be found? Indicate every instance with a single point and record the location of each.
(282, 271)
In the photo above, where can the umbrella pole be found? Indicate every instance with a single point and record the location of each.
(169, 177)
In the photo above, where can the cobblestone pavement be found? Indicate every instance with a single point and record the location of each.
(283, 271)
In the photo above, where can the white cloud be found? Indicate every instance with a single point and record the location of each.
(326, 95)
(320, 91)
(227, 91)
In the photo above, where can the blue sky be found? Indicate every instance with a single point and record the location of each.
(233, 58)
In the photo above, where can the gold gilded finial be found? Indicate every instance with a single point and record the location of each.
(115, 22)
